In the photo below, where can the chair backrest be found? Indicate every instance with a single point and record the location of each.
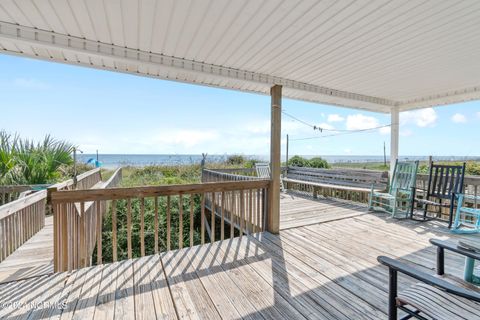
(445, 180)
(263, 170)
(404, 175)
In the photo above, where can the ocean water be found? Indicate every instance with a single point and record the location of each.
(116, 160)
(141, 160)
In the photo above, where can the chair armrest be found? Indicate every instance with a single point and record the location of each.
(448, 245)
(467, 196)
(428, 279)
(409, 190)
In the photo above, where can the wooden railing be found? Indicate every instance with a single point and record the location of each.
(85, 180)
(248, 209)
(22, 218)
(221, 175)
(76, 225)
(471, 186)
(147, 220)
(12, 192)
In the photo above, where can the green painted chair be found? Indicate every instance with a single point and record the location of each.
(401, 193)
(467, 220)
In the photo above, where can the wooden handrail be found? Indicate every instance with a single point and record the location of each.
(19, 204)
(153, 191)
(115, 179)
(81, 178)
(209, 175)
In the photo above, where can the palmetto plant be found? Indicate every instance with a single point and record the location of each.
(22, 161)
(8, 144)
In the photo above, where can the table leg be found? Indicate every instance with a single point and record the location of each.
(468, 271)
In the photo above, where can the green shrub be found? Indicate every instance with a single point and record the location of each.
(473, 168)
(251, 163)
(235, 159)
(298, 161)
(318, 162)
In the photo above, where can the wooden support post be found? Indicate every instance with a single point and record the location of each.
(273, 224)
(394, 137)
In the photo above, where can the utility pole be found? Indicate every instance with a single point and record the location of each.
(286, 157)
(75, 166)
(384, 155)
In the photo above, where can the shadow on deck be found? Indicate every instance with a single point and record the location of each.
(317, 271)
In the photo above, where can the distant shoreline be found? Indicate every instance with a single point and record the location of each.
(141, 160)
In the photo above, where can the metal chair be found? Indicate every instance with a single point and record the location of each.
(445, 182)
(401, 193)
(467, 220)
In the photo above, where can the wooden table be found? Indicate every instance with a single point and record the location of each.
(470, 257)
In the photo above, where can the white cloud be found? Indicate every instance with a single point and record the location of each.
(422, 118)
(459, 118)
(360, 122)
(478, 114)
(347, 151)
(335, 118)
(259, 126)
(30, 83)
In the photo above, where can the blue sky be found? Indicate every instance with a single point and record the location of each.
(120, 113)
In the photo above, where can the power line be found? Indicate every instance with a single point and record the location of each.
(341, 134)
(339, 131)
(299, 120)
(314, 127)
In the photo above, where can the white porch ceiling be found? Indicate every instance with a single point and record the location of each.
(373, 55)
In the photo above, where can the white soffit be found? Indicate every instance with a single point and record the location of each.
(370, 55)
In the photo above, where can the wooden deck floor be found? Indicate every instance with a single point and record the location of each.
(320, 271)
(33, 258)
(302, 210)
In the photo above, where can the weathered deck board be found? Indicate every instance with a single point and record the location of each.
(317, 271)
(300, 210)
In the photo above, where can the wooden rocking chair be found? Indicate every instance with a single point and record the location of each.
(444, 183)
(467, 220)
(263, 171)
(401, 193)
(433, 297)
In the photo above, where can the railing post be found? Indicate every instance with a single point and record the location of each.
(56, 228)
(394, 138)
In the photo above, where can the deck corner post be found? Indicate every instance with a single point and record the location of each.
(273, 224)
(394, 137)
